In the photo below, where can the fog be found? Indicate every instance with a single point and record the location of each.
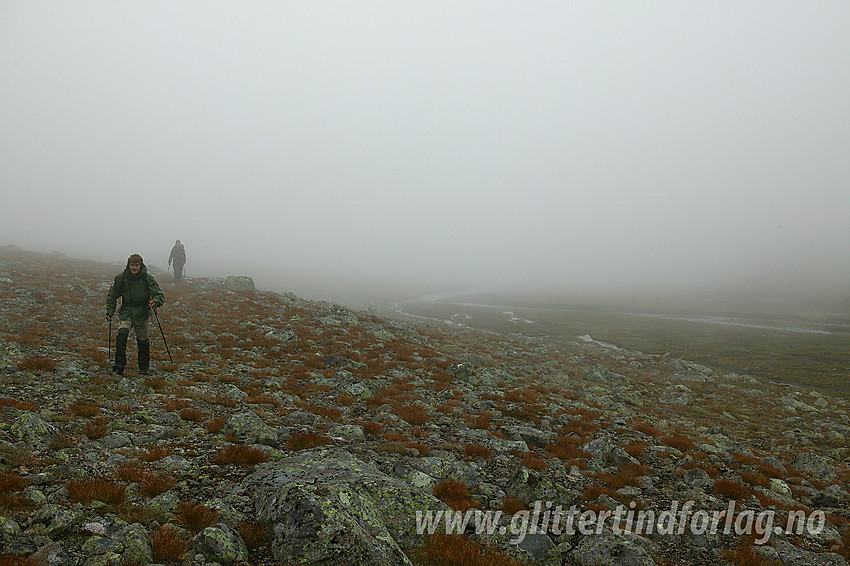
(348, 149)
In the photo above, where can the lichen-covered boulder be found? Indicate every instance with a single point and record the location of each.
(815, 464)
(531, 435)
(607, 451)
(8, 529)
(677, 395)
(34, 431)
(625, 549)
(250, 428)
(137, 544)
(602, 374)
(51, 554)
(221, 545)
(239, 283)
(54, 521)
(325, 507)
(832, 496)
(787, 554)
(285, 335)
(530, 485)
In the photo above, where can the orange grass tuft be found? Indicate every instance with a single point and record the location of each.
(177, 404)
(416, 415)
(20, 405)
(745, 555)
(196, 517)
(12, 482)
(96, 490)
(372, 428)
(37, 364)
(16, 560)
(192, 415)
(567, 451)
(154, 484)
(155, 453)
(756, 479)
(303, 441)
(132, 472)
(732, 489)
(513, 504)
(254, 534)
(214, 425)
(84, 409)
(96, 428)
(168, 545)
(457, 550)
(534, 463)
(241, 455)
(635, 449)
(473, 451)
(680, 443)
(629, 475)
(647, 429)
(455, 494)
(329, 413)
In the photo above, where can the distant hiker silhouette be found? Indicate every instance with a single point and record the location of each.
(139, 291)
(177, 258)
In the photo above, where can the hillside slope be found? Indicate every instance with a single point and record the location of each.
(289, 431)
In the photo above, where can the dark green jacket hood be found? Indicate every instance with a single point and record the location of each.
(135, 292)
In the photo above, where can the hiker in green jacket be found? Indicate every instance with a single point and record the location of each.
(139, 291)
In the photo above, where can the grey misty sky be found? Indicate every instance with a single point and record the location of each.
(474, 143)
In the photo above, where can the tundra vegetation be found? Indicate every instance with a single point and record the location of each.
(290, 431)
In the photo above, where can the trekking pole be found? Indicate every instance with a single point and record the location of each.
(109, 343)
(163, 334)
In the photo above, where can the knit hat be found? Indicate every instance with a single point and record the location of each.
(135, 258)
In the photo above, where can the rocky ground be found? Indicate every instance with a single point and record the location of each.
(295, 432)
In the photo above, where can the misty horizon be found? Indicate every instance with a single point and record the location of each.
(398, 149)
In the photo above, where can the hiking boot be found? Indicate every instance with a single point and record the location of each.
(121, 351)
(144, 356)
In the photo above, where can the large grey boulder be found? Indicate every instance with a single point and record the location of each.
(815, 464)
(323, 506)
(250, 428)
(789, 555)
(220, 544)
(602, 374)
(239, 283)
(531, 435)
(32, 430)
(606, 548)
(137, 545)
(832, 496)
(532, 486)
(606, 450)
